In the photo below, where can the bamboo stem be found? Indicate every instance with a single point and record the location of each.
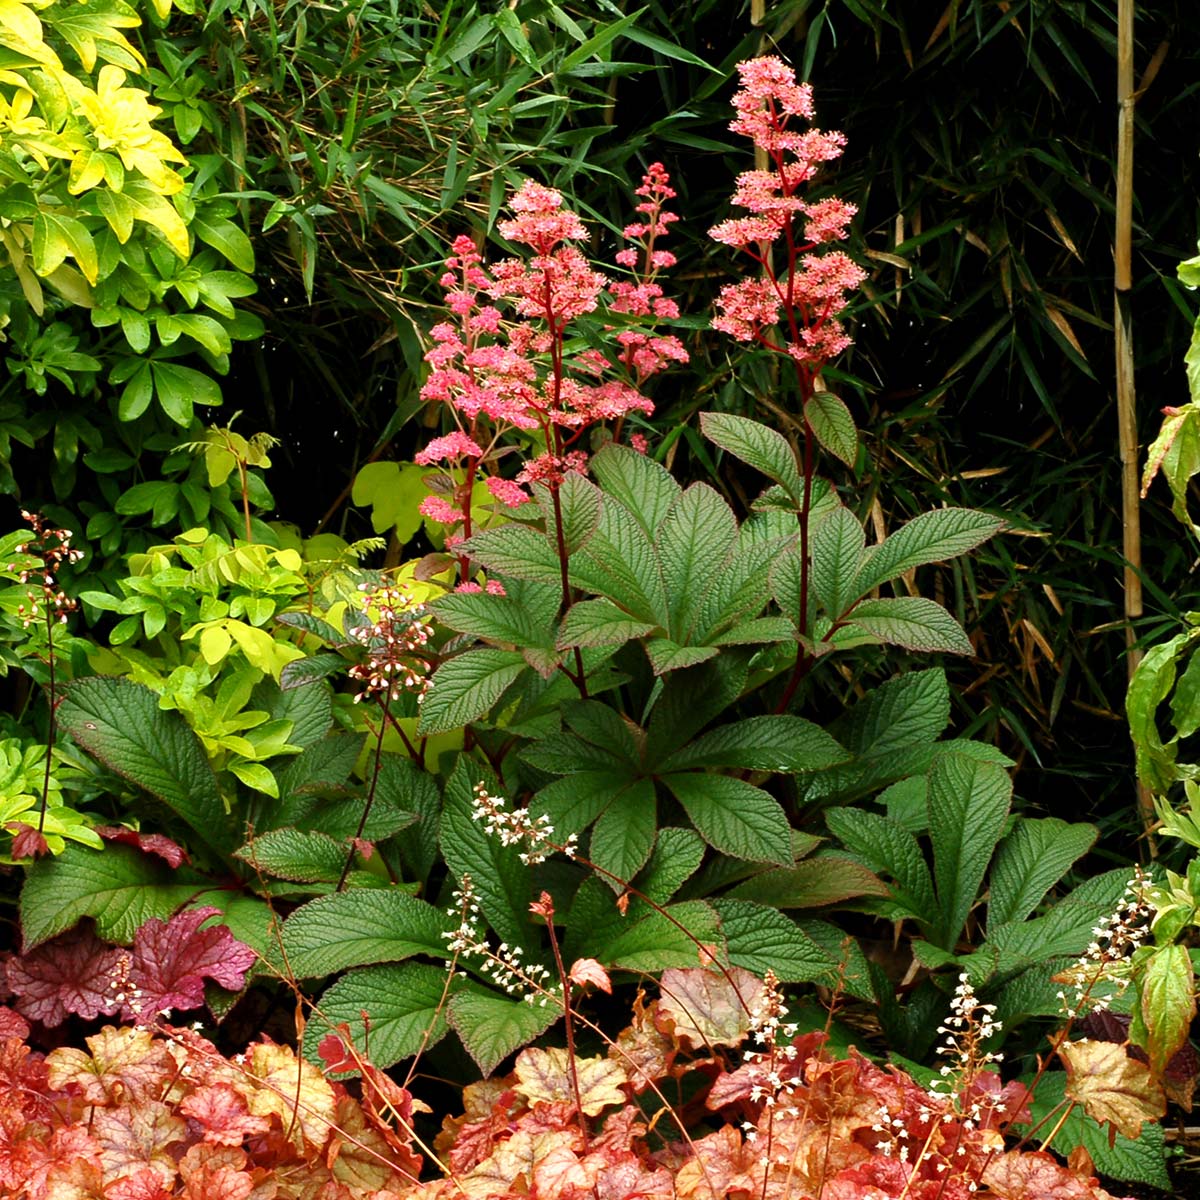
(1123, 349)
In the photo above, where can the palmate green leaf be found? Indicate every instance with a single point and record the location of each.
(492, 1026)
(304, 856)
(524, 617)
(404, 786)
(624, 833)
(770, 743)
(602, 726)
(651, 941)
(837, 550)
(515, 551)
(740, 589)
(968, 807)
(694, 541)
(121, 724)
(119, 887)
(755, 632)
(758, 445)
(619, 562)
(761, 938)
(833, 426)
(912, 622)
(733, 816)
(786, 584)
(465, 687)
(573, 803)
(890, 731)
(598, 623)
(931, 537)
(1066, 927)
(359, 927)
(890, 849)
(502, 882)
(303, 671)
(689, 700)
(666, 655)
(579, 501)
(1031, 859)
(676, 857)
(401, 1001)
(644, 487)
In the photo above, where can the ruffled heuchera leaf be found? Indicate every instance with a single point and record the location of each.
(172, 959)
(221, 1111)
(27, 842)
(294, 1090)
(135, 1136)
(124, 1066)
(73, 973)
(1113, 1088)
(588, 970)
(708, 1008)
(12, 1024)
(643, 1050)
(1035, 1175)
(543, 1078)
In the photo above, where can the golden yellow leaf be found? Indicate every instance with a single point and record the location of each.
(543, 1077)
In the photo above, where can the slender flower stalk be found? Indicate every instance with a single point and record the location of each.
(792, 309)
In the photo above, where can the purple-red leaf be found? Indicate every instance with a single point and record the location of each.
(172, 959)
(73, 973)
(147, 843)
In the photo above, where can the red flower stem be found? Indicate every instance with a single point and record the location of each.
(569, 1027)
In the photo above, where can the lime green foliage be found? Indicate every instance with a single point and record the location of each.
(24, 782)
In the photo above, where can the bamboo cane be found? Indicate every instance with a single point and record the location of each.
(1123, 347)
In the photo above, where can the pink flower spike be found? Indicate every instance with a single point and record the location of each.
(510, 494)
(438, 509)
(495, 588)
(453, 445)
(468, 588)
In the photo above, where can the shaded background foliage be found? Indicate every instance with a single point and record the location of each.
(359, 138)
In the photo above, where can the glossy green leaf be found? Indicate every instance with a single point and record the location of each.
(119, 887)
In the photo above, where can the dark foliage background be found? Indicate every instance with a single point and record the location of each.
(981, 153)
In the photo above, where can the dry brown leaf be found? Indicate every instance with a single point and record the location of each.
(709, 1008)
(1113, 1088)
